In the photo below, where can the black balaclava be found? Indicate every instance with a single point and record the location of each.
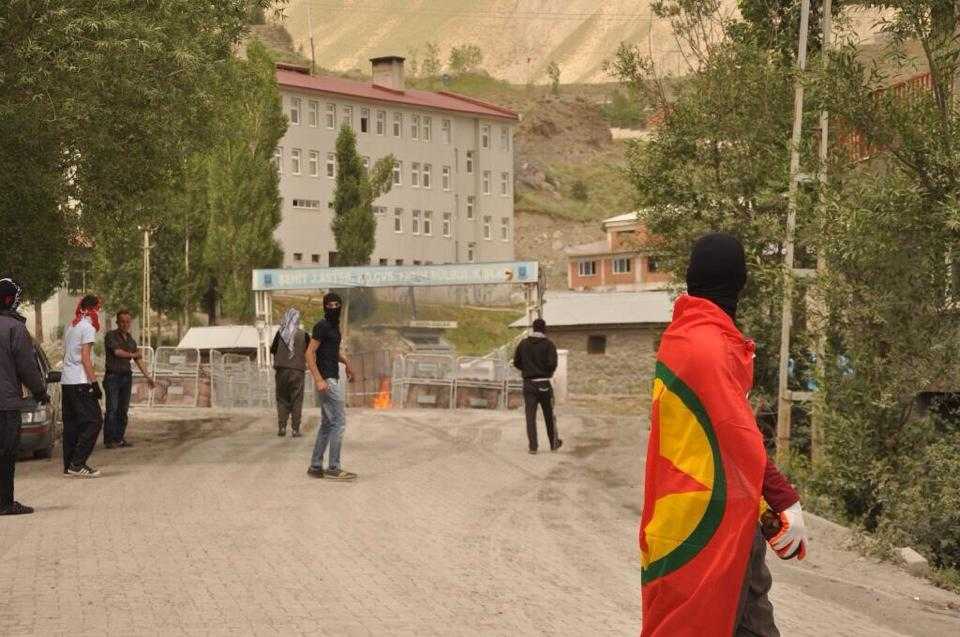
(332, 316)
(718, 271)
(9, 295)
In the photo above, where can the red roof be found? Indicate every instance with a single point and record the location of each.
(441, 100)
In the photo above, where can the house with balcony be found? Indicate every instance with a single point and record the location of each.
(625, 261)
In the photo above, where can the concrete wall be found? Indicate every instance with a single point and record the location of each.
(625, 368)
(307, 231)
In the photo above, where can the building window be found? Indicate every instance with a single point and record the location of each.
(331, 165)
(416, 262)
(347, 119)
(587, 268)
(384, 262)
(428, 223)
(311, 204)
(504, 184)
(505, 228)
(471, 254)
(314, 113)
(471, 204)
(414, 127)
(596, 345)
(486, 228)
(415, 223)
(331, 259)
(504, 138)
(295, 110)
(415, 174)
(314, 163)
(445, 129)
(399, 261)
(398, 173)
(485, 136)
(622, 265)
(366, 162)
(427, 130)
(364, 120)
(398, 124)
(278, 159)
(315, 258)
(398, 221)
(447, 224)
(381, 122)
(652, 265)
(469, 162)
(331, 116)
(298, 256)
(427, 175)
(486, 182)
(445, 178)
(295, 161)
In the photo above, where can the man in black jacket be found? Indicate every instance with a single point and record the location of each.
(18, 367)
(536, 358)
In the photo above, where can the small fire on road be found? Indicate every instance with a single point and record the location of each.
(382, 401)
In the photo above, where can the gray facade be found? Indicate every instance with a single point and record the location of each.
(452, 198)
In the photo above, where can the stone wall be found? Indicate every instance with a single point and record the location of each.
(625, 368)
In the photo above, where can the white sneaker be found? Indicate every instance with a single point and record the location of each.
(83, 471)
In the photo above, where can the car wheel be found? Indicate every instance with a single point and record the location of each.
(43, 454)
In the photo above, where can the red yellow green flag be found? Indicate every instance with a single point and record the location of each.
(704, 474)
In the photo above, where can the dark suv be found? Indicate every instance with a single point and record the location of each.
(41, 423)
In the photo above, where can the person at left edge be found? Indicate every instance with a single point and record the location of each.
(18, 368)
(121, 348)
(82, 418)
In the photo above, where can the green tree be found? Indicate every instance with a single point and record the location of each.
(242, 193)
(431, 60)
(553, 72)
(465, 58)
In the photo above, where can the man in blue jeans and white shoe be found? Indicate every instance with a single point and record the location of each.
(323, 359)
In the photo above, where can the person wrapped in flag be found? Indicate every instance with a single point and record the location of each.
(707, 472)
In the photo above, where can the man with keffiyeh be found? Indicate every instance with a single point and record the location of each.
(289, 365)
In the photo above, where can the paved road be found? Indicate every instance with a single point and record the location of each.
(211, 526)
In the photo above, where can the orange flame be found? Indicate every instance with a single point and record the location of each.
(382, 401)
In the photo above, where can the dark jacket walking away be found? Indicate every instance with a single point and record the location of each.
(536, 358)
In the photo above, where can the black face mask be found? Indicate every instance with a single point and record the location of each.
(718, 271)
(329, 314)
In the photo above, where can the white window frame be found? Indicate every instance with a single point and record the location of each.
(314, 113)
(471, 254)
(296, 104)
(398, 220)
(365, 117)
(398, 125)
(278, 159)
(331, 116)
(504, 228)
(366, 162)
(622, 265)
(331, 166)
(415, 174)
(485, 136)
(427, 176)
(428, 223)
(445, 178)
(415, 222)
(486, 182)
(469, 162)
(398, 173)
(471, 207)
(381, 123)
(447, 224)
(487, 227)
(505, 184)
(347, 119)
(426, 129)
(295, 159)
(586, 269)
(447, 130)
(415, 127)
(505, 138)
(314, 162)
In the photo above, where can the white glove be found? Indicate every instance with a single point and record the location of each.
(791, 540)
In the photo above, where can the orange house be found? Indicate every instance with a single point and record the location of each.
(624, 261)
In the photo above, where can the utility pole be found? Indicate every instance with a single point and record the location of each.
(313, 53)
(145, 290)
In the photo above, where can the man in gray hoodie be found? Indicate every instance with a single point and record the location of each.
(18, 368)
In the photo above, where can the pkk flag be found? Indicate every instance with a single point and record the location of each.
(704, 475)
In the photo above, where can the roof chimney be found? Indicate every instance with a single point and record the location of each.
(388, 72)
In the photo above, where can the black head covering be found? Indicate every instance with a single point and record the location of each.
(718, 271)
(9, 294)
(539, 325)
(332, 316)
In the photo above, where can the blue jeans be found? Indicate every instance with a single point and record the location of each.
(118, 388)
(333, 420)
